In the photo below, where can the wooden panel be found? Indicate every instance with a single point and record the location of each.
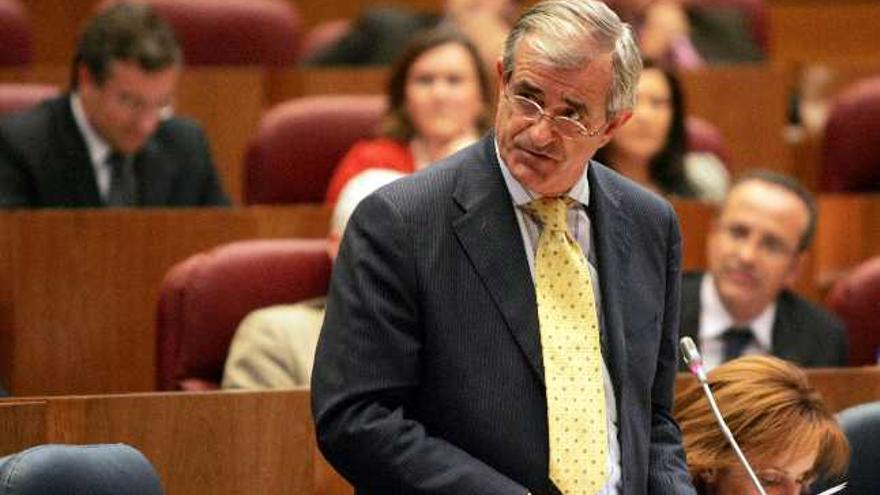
(80, 287)
(22, 424)
(228, 103)
(284, 85)
(835, 385)
(847, 234)
(224, 443)
(818, 29)
(748, 104)
(696, 219)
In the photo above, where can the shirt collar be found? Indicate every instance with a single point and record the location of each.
(521, 196)
(98, 148)
(716, 319)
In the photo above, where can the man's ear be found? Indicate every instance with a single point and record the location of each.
(613, 125)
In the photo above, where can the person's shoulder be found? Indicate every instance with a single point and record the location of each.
(34, 123)
(178, 128)
(633, 197)
(807, 314)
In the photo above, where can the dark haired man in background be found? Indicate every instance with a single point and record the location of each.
(112, 141)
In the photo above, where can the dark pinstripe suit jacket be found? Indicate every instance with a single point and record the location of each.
(428, 375)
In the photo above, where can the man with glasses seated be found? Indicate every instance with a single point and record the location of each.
(506, 321)
(113, 140)
(744, 304)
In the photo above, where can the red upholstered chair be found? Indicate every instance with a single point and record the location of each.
(233, 32)
(299, 143)
(322, 36)
(851, 148)
(702, 135)
(203, 299)
(16, 36)
(856, 300)
(15, 97)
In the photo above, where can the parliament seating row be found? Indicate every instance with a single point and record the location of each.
(747, 104)
(79, 289)
(798, 29)
(231, 443)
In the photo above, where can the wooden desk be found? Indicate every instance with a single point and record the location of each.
(226, 101)
(847, 234)
(218, 442)
(748, 104)
(835, 385)
(819, 29)
(78, 288)
(283, 85)
(249, 442)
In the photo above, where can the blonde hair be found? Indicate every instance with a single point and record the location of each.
(770, 408)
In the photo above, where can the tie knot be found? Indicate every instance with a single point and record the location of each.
(736, 339)
(551, 212)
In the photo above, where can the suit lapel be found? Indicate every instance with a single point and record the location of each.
(155, 174)
(74, 169)
(490, 235)
(787, 342)
(612, 242)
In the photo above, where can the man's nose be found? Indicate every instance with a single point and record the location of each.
(542, 132)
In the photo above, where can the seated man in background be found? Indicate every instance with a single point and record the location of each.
(744, 304)
(274, 347)
(378, 35)
(113, 140)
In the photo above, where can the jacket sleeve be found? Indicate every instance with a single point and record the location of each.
(366, 376)
(668, 472)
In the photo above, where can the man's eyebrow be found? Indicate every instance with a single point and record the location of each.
(527, 87)
(578, 106)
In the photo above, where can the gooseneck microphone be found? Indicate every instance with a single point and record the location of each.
(694, 362)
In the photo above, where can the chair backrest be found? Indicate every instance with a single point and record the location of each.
(16, 35)
(229, 32)
(702, 135)
(323, 35)
(15, 97)
(299, 143)
(100, 469)
(203, 298)
(855, 298)
(851, 148)
(862, 427)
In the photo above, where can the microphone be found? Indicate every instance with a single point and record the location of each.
(694, 362)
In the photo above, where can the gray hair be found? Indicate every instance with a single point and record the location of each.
(569, 33)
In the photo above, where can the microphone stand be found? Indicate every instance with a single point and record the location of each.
(694, 361)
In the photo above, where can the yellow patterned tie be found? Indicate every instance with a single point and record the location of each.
(572, 355)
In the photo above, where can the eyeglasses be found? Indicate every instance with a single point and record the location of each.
(770, 245)
(138, 106)
(531, 111)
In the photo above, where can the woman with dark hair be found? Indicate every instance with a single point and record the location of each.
(651, 148)
(438, 102)
(781, 423)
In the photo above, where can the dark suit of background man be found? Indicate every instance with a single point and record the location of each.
(744, 304)
(429, 373)
(112, 141)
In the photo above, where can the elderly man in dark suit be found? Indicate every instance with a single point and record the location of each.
(744, 304)
(454, 356)
(112, 141)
